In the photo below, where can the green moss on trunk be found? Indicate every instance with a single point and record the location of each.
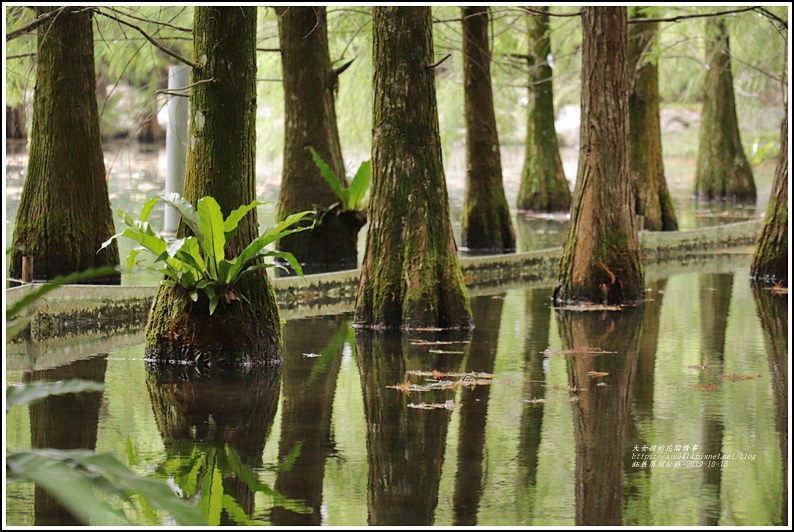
(770, 262)
(543, 184)
(221, 165)
(310, 120)
(486, 225)
(601, 261)
(64, 212)
(653, 200)
(411, 277)
(722, 168)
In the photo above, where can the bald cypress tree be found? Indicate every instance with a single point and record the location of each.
(221, 164)
(486, 224)
(722, 169)
(601, 261)
(411, 277)
(543, 184)
(64, 212)
(653, 199)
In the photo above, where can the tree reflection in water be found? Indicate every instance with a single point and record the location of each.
(600, 415)
(405, 446)
(214, 427)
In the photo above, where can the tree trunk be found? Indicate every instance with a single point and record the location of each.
(486, 224)
(722, 168)
(652, 198)
(310, 121)
(221, 164)
(411, 277)
(601, 262)
(770, 263)
(543, 184)
(64, 212)
(16, 128)
(600, 415)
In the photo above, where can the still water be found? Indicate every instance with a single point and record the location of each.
(675, 414)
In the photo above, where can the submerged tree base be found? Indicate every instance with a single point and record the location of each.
(243, 331)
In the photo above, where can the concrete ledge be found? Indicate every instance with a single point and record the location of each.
(102, 311)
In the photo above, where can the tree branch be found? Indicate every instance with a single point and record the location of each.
(20, 56)
(43, 19)
(150, 39)
(434, 65)
(538, 12)
(144, 19)
(764, 11)
(684, 17)
(335, 72)
(181, 90)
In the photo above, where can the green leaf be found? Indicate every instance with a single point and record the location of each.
(53, 471)
(191, 254)
(359, 186)
(287, 256)
(230, 224)
(211, 226)
(186, 211)
(213, 297)
(147, 208)
(330, 176)
(234, 510)
(34, 391)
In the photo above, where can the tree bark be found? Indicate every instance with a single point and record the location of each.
(601, 261)
(64, 212)
(16, 127)
(310, 120)
(411, 277)
(770, 262)
(486, 225)
(543, 184)
(221, 164)
(722, 169)
(652, 197)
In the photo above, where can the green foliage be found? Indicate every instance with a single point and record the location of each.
(763, 149)
(199, 263)
(35, 391)
(75, 477)
(352, 198)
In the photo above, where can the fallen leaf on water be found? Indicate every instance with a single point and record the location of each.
(535, 401)
(439, 342)
(403, 387)
(441, 374)
(601, 384)
(570, 389)
(442, 352)
(312, 355)
(574, 399)
(578, 351)
(598, 374)
(703, 387)
(587, 307)
(736, 377)
(449, 405)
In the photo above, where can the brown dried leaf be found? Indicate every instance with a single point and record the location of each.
(736, 377)
(703, 387)
(598, 374)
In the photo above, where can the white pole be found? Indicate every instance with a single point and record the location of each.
(176, 143)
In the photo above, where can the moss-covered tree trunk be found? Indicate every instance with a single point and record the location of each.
(411, 277)
(601, 262)
(543, 184)
(722, 169)
(220, 164)
(16, 127)
(486, 225)
(770, 263)
(310, 120)
(64, 212)
(652, 197)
